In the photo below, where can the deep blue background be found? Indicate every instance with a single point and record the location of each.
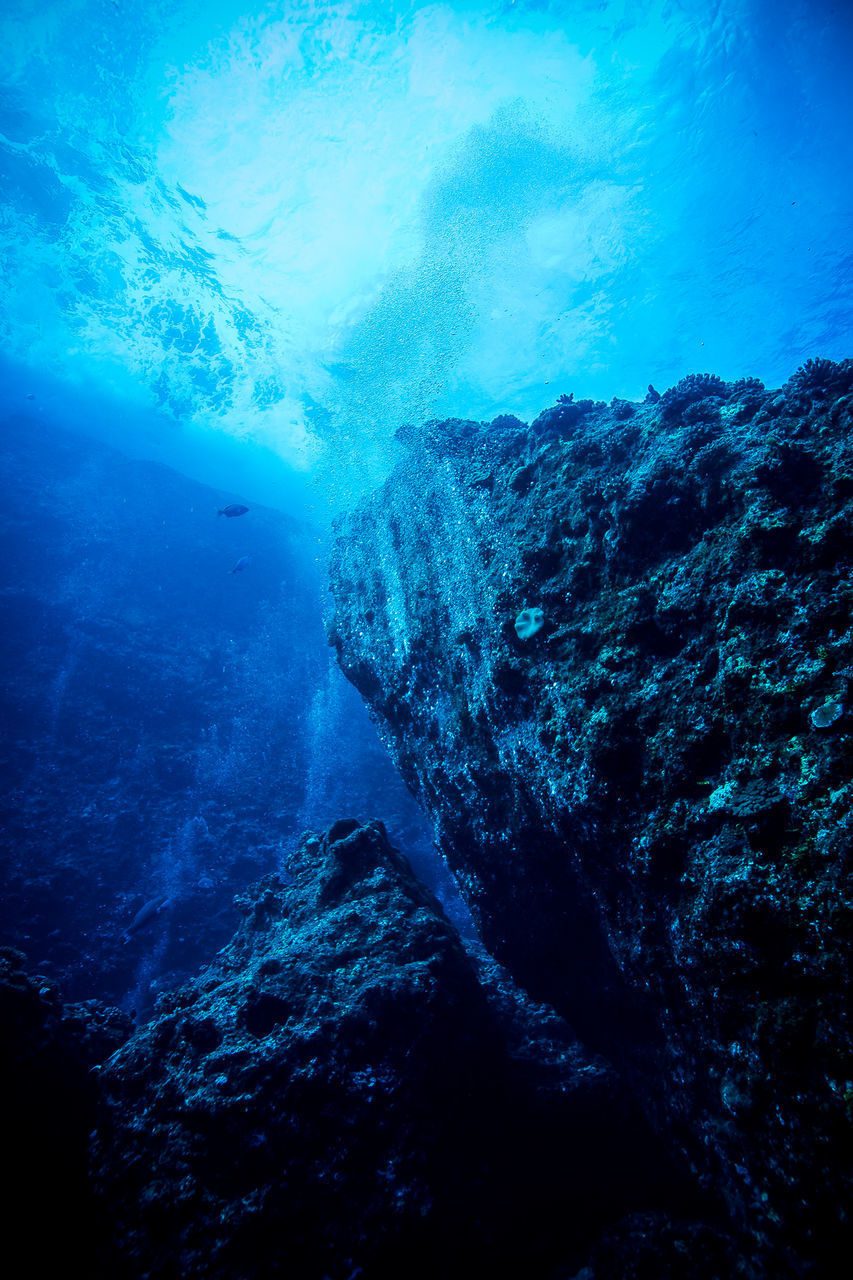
(169, 727)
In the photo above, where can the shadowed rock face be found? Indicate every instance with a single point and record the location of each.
(48, 1094)
(647, 820)
(346, 1091)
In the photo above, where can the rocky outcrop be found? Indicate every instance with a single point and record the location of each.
(346, 1091)
(647, 801)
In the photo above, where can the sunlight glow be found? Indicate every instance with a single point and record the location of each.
(306, 224)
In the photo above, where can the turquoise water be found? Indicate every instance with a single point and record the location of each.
(294, 226)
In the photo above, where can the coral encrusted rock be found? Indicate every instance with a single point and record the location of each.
(345, 1091)
(641, 807)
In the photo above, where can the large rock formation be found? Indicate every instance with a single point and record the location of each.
(345, 1092)
(647, 802)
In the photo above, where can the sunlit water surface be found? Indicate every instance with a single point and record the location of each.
(298, 225)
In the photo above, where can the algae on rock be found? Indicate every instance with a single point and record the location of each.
(649, 829)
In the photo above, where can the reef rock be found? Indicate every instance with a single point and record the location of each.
(346, 1091)
(649, 824)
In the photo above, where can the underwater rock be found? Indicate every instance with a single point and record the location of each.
(346, 1090)
(48, 1085)
(648, 830)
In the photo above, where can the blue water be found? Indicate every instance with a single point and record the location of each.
(297, 225)
(250, 242)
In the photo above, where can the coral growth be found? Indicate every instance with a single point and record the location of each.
(652, 829)
(695, 387)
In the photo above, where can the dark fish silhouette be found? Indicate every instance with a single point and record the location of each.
(145, 915)
(233, 509)
(241, 564)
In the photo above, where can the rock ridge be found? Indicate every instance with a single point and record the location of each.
(345, 1090)
(647, 803)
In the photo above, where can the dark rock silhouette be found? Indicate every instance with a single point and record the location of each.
(650, 830)
(345, 1090)
(48, 1092)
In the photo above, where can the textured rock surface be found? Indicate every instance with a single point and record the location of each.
(344, 1091)
(650, 828)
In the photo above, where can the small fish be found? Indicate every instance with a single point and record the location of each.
(241, 564)
(145, 915)
(233, 509)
